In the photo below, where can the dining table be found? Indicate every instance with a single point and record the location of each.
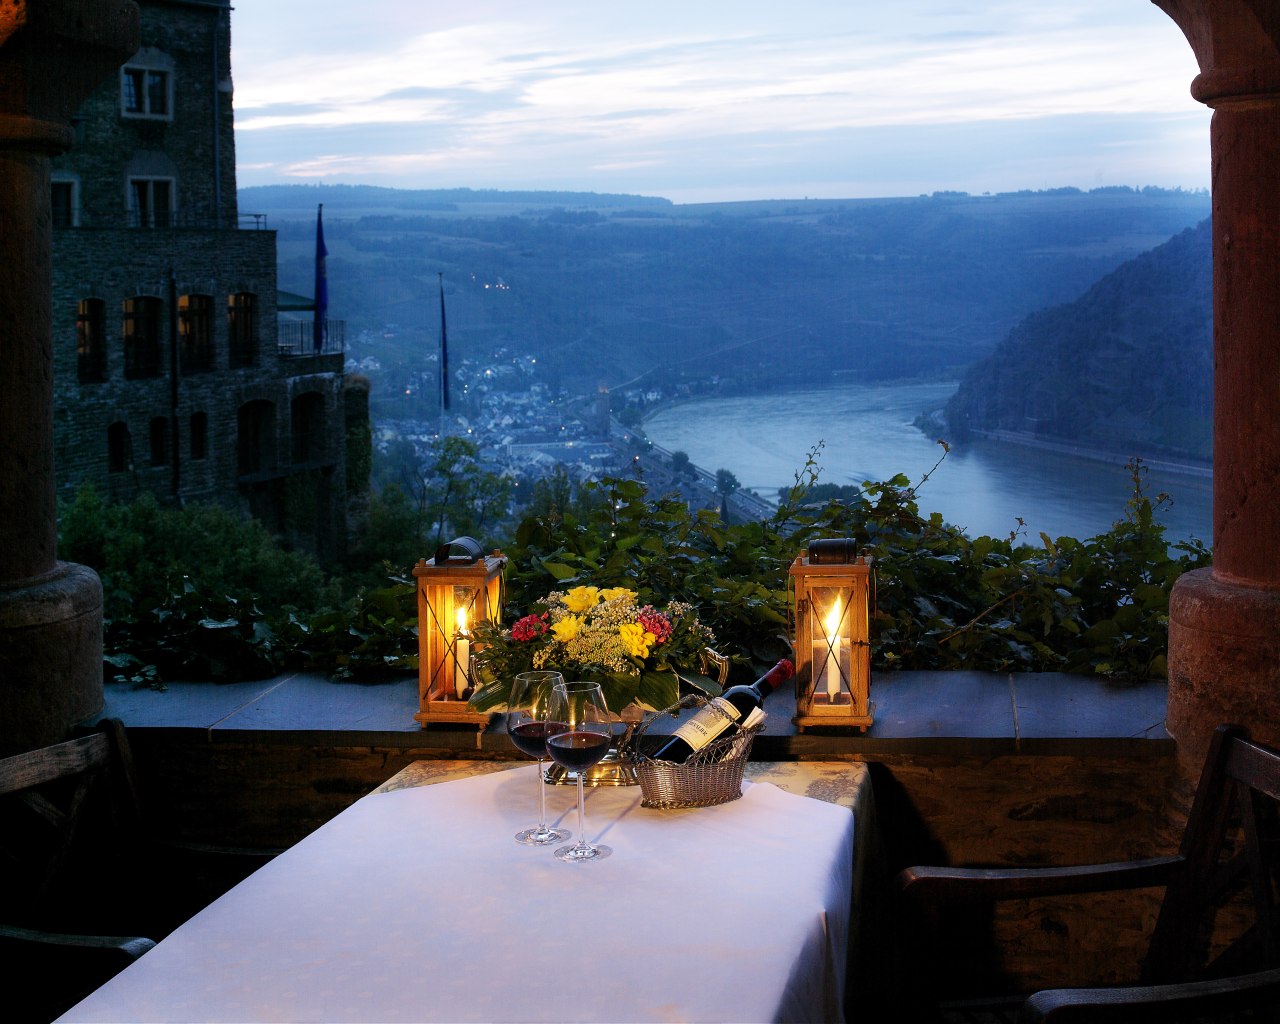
(417, 904)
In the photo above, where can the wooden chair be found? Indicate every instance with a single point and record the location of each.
(84, 877)
(1230, 853)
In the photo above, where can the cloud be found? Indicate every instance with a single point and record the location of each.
(566, 94)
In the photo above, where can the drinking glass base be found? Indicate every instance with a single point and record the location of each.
(580, 852)
(541, 836)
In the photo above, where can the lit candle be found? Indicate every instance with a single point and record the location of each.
(462, 660)
(831, 669)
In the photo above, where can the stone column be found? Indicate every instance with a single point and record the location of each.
(1224, 622)
(52, 54)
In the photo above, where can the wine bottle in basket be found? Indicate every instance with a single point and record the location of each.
(739, 707)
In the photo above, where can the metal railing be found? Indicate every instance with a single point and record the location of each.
(297, 338)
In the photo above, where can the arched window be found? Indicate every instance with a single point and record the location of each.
(306, 427)
(141, 332)
(199, 435)
(91, 330)
(242, 328)
(195, 332)
(119, 447)
(256, 437)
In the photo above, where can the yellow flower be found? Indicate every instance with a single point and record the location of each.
(610, 593)
(637, 638)
(567, 628)
(580, 599)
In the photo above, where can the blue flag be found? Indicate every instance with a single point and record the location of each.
(320, 326)
(444, 352)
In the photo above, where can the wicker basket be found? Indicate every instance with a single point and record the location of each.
(712, 775)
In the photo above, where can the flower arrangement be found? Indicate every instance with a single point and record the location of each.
(638, 653)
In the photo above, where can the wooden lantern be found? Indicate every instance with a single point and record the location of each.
(831, 623)
(457, 589)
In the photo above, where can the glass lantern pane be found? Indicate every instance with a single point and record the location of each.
(830, 632)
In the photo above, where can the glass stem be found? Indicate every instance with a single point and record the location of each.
(582, 814)
(542, 800)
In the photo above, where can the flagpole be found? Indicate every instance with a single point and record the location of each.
(320, 325)
(444, 359)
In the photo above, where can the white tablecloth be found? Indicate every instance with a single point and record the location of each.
(418, 905)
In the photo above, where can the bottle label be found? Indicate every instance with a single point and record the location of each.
(708, 723)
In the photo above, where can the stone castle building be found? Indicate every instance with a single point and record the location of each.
(172, 374)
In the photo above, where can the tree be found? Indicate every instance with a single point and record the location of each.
(551, 496)
(726, 483)
(680, 464)
(457, 492)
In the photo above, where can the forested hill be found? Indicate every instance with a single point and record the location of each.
(639, 293)
(1127, 367)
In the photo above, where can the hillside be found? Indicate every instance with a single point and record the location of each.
(634, 291)
(1127, 367)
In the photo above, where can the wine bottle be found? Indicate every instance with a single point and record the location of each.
(739, 707)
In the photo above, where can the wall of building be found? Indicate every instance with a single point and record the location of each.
(196, 142)
(110, 250)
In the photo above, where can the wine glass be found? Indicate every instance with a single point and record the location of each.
(578, 735)
(527, 727)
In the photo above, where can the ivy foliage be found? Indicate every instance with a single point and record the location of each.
(199, 594)
(942, 600)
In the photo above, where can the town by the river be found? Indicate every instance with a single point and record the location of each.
(868, 433)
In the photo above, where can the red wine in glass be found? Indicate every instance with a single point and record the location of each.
(527, 727)
(579, 732)
(578, 750)
(531, 738)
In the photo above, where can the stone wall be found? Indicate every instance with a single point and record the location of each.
(195, 144)
(296, 483)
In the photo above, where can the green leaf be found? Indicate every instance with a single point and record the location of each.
(560, 571)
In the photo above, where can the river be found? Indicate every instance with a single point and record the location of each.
(867, 433)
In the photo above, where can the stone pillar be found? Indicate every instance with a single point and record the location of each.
(1224, 622)
(52, 54)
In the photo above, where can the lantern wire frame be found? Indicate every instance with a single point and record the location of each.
(482, 585)
(855, 582)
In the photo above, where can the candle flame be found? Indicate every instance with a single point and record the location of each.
(833, 623)
(462, 620)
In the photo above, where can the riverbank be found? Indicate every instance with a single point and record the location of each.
(1113, 458)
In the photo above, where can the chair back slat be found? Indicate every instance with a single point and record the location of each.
(47, 798)
(1219, 911)
(48, 764)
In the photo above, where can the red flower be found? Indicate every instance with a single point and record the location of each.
(529, 628)
(656, 623)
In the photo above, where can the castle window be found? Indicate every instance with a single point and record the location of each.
(242, 328)
(146, 92)
(195, 332)
(119, 445)
(256, 437)
(141, 332)
(159, 441)
(150, 202)
(306, 427)
(91, 351)
(199, 435)
(63, 204)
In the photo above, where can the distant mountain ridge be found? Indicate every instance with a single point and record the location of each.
(642, 296)
(1127, 367)
(303, 197)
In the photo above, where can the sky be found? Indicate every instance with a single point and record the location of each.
(716, 100)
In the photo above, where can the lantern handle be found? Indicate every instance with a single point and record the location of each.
(472, 552)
